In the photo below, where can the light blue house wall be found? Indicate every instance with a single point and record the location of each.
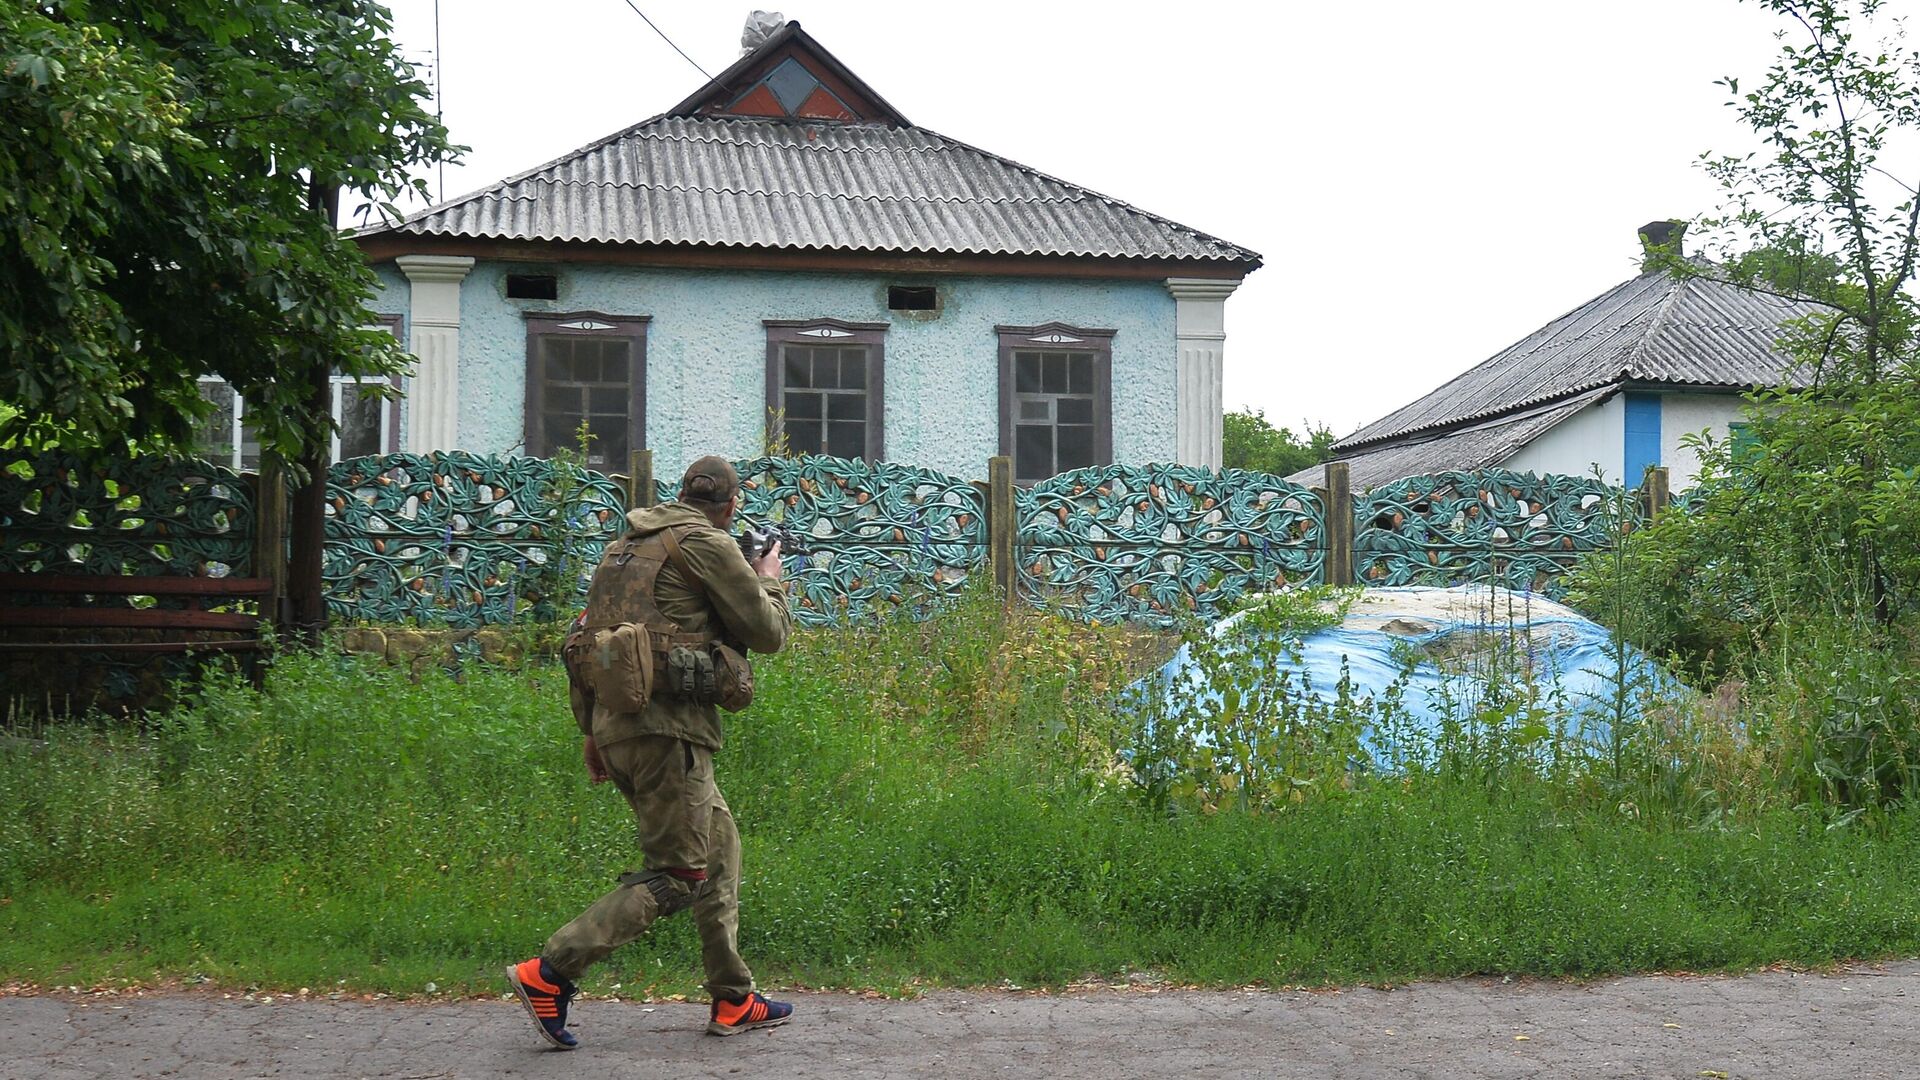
(706, 354)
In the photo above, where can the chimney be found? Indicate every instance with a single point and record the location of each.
(1661, 239)
(761, 25)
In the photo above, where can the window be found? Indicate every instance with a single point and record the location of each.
(223, 436)
(591, 368)
(365, 423)
(1056, 399)
(533, 287)
(912, 298)
(825, 387)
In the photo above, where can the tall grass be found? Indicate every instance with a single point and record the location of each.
(954, 801)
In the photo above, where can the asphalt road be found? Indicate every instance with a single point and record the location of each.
(1858, 1023)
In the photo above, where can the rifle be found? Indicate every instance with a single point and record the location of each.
(755, 542)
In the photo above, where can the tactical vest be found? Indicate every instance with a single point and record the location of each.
(623, 644)
(623, 587)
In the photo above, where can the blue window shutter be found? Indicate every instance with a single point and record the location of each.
(1642, 437)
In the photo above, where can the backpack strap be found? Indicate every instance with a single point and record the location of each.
(679, 560)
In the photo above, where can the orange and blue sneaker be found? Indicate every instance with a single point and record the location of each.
(752, 1011)
(545, 995)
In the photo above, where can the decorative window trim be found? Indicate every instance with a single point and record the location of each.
(1060, 337)
(783, 332)
(598, 324)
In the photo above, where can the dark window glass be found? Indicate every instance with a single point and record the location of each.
(1033, 453)
(803, 406)
(1053, 413)
(803, 436)
(1075, 447)
(825, 398)
(847, 439)
(213, 435)
(360, 411)
(1056, 374)
(1026, 373)
(586, 380)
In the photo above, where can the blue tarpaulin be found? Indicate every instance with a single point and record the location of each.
(1442, 646)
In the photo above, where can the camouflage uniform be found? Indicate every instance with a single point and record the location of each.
(661, 759)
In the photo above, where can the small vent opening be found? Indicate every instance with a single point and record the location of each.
(533, 287)
(911, 298)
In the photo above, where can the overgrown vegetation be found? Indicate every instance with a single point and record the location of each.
(1793, 582)
(952, 801)
(1250, 441)
(168, 175)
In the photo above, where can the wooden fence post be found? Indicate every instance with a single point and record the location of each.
(1339, 530)
(1657, 492)
(1001, 526)
(640, 493)
(270, 536)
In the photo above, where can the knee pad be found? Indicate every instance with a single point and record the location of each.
(670, 894)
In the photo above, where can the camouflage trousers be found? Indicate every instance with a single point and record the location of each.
(684, 823)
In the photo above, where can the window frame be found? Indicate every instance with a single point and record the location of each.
(1057, 337)
(595, 324)
(235, 458)
(813, 332)
(389, 409)
(236, 444)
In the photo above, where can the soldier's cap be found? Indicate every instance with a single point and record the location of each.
(710, 481)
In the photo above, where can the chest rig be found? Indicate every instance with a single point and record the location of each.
(625, 644)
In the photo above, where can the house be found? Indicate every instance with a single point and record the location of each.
(1615, 384)
(783, 254)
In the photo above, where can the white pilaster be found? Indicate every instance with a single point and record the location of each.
(433, 394)
(1200, 332)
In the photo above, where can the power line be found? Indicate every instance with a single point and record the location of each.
(668, 40)
(439, 109)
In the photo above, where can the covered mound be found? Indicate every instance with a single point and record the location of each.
(1405, 667)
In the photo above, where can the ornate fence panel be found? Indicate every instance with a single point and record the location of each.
(462, 540)
(144, 515)
(1513, 529)
(882, 535)
(1154, 542)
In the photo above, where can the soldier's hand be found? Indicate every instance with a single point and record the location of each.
(768, 565)
(596, 768)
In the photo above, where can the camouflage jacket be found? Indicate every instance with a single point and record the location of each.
(728, 602)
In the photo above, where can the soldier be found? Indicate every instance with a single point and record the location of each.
(678, 574)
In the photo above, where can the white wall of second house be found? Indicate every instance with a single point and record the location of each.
(1596, 435)
(1691, 414)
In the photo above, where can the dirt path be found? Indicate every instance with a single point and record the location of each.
(1859, 1023)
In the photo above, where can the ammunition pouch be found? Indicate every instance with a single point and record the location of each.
(670, 894)
(710, 674)
(689, 674)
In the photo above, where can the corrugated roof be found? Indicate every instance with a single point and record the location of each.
(1655, 328)
(752, 183)
(1479, 446)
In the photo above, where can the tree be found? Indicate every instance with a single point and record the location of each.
(168, 171)
(1808, 530)
(1837, 461)
(1249, 441)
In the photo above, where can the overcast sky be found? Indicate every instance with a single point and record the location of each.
(1428, 182)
